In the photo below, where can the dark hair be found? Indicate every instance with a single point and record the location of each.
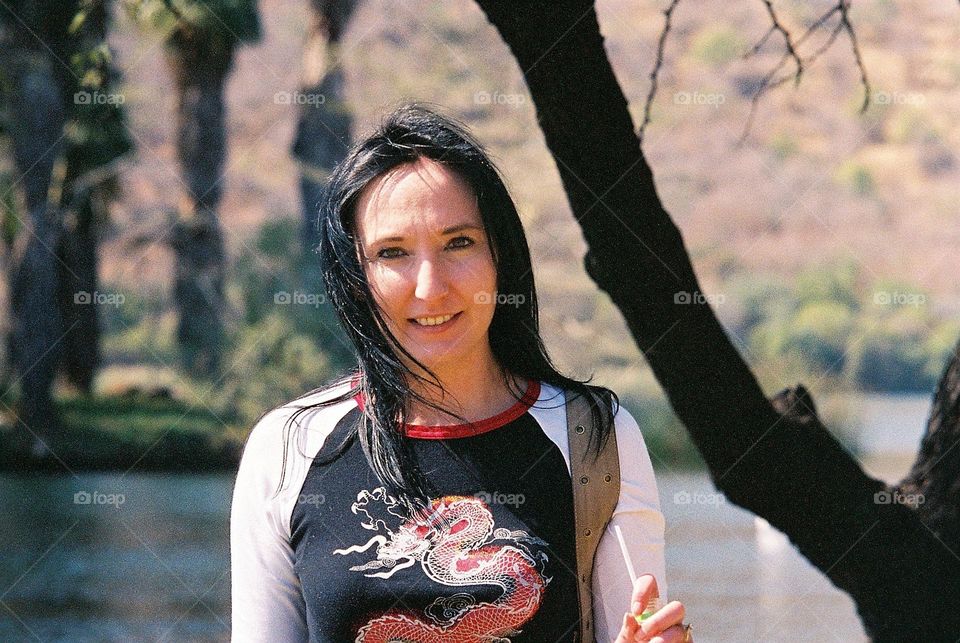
(410, 133)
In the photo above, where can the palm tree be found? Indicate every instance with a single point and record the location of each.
(201, 37)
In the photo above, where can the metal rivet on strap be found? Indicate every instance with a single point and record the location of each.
(583, 480)
(588, 532)
(579, 428)
(583, 578)
(607, 478)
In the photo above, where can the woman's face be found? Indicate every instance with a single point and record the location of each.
(428, 263)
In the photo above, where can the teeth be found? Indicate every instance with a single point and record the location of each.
(433, 321)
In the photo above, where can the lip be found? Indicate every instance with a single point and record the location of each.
(435, 329)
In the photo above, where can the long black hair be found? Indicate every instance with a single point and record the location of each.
(410, 133)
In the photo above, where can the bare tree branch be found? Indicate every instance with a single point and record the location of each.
(772, 81)
(773, 78)
(668, 13)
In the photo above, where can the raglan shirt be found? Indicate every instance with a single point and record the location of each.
(329, 555)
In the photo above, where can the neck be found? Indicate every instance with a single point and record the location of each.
(474, 392)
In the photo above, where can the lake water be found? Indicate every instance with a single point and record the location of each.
(146, 558)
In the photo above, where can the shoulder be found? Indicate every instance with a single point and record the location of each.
(304, 414)
(284, 440)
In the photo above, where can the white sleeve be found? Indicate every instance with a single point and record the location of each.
(267, 601)
(639, 518)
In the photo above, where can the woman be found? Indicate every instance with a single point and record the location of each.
(427, 496)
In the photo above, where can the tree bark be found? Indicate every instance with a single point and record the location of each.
(774, 458)
(200, 61)
(33, 43)
(35, 346)
(324, 122)
(77, 274)
(322, 140)
(83, 198)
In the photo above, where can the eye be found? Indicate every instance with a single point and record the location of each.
(390, 253)
(461, 242)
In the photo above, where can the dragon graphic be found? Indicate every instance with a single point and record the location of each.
(456, 545)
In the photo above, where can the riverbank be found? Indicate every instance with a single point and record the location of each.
(135, 431)
(151, 430)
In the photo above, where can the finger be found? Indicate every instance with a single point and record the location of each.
(628, 629)
(643, 590)
(673, 634)
(671, 614)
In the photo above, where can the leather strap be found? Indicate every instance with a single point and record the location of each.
(596, 491)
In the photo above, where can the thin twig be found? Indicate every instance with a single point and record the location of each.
(788, 41)
(771, 80)
(845, 21)
(656, 68)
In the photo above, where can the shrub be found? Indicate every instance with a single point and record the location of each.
(270, 363)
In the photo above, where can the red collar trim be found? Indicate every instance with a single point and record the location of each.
(450, 431)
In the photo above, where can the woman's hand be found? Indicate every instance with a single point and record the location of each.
(664, 626)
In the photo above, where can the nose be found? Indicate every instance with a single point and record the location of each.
(431, 280)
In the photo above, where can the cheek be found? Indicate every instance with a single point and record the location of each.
(479, 287)
(479, 275)
(386, 286)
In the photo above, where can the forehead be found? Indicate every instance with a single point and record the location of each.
(415, 198)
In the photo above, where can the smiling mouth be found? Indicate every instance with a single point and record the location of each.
(438, 320)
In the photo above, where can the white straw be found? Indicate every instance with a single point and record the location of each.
(626, 555)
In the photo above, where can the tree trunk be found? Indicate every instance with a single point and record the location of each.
(83, 199)
(35, 346)
(773, 458)
(322, 140)
(77, 274)
(200, 61)
(323, 126)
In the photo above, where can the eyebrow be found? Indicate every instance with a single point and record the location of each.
(445, 231)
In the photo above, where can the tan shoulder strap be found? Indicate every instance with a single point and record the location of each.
(596, 490)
